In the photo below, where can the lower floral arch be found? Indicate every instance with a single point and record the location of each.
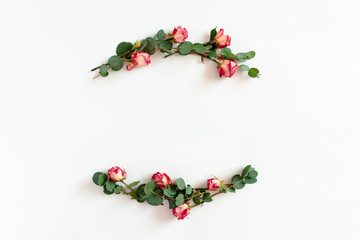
(181, 197)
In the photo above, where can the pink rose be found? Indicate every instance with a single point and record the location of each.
(182, 211)
(227, 68)
(116, 174)
(180, 34)
(141, 58)
(222, 40)
(162, 180)
(130, 66)
(213, 184)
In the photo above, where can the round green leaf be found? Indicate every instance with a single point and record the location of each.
(253, 174)
(207, 200)
(165, 45)
(188, 190)
(237, 181)
(123, 48)
(118, 189)
(161, 34)
(245, 171)
(241, 55)
(244, 67)
(253, 72)
(199, 48)
(250, 180)
(115, 62)
(141, 191)
(212, 54)
(179, 200)
(185, 48)
(180, 183)
(99, 178)
(196, 200)
(232, 190)
(250, 55)
(153, 199)
(172, 204)
(150, 186)
(110, 185)
(103, 69)
(106, 191)
(150, 47)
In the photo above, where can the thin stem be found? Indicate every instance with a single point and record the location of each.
(122, 181)
(162, 196)
(213, 195)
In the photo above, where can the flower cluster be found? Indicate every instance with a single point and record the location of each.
(216, 50)
(180, 196)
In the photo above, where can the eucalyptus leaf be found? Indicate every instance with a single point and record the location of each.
(123, 49)
(185, 48)
(115, 62)
(180, 183)
(179, 200)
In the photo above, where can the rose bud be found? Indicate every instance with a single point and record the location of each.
(222, 40)
(180, 34)
(141, 58)
(130, 66)
(116, 174)
(162, 180)
(213, 184)
(182, 211)
(227, 68)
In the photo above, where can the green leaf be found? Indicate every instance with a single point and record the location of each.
(188, 189)
(232, 190)
(241, 59)
(249, 180)
(123, 48)
(207, 200)
(134, 195)
(110, 185)
(141, 191)
(180, 183)
(253, 72)
(153, 199)
(185, 48)
(241, 55)
(172, 204)
(244, 67)
(250, 55)
(199, 48)
(142, 46)
(115, 62)
(237, 182)
(245, 171)
(133, 184)
(107, 191)
(165, 45)
(168, 192)
(150, 47)
(179, 200)
(99, 178)
(118, 189)
(150, 186)
(212, 54)
(161, 34)
(227, 54)
(196, 200)
(105, 74)
(103, 69)
(205, 196)
(208, 47)
(253, 174)
(213, 34)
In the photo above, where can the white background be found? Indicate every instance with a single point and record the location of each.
(298, 125)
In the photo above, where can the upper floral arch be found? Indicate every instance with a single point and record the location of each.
(216, 50)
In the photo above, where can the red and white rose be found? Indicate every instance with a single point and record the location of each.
(180, 34)
(213, 184)
(227, 68)
(222, 40)
(181, 211)
(116, 174)
(162, 179)
(140, 59)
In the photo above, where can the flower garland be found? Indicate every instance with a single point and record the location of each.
(216, 50)
(178, 194)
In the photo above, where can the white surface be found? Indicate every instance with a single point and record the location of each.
(298, 125)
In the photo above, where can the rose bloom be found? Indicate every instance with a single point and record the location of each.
(162, 180)
(182, 211)
(116, 174)
(130, 66)
(141, 58)
(180, 34)
(213, 184)
(227, 68)
(222, 40)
